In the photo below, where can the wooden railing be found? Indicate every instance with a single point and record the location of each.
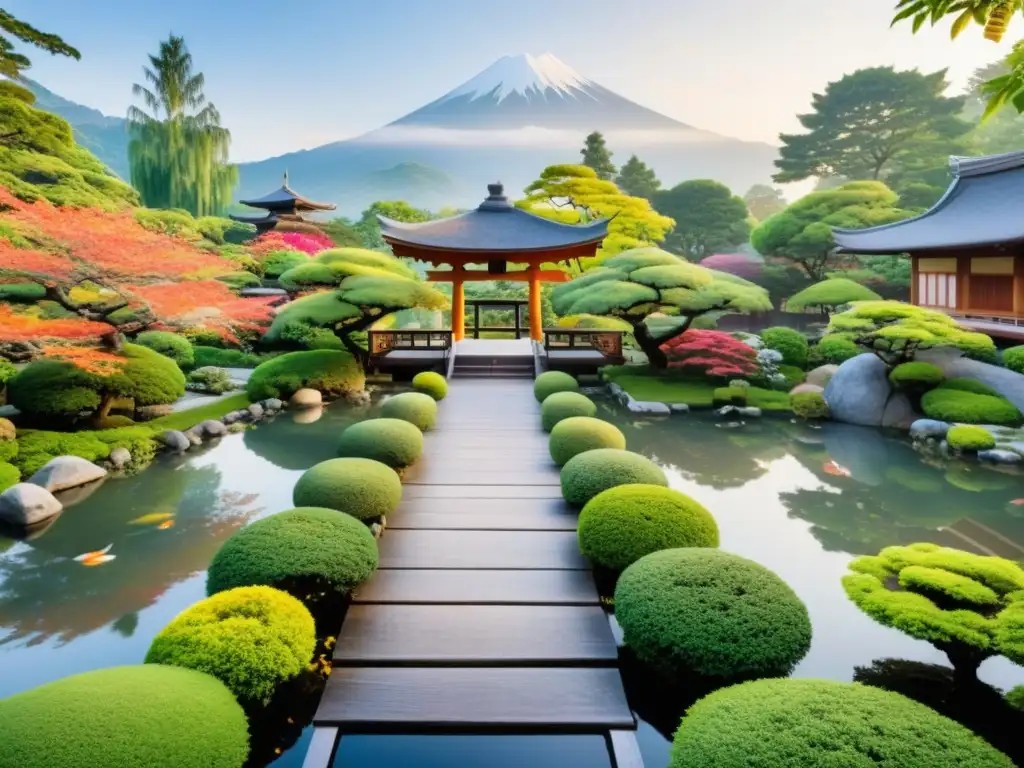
(519, 329)
(608, 343)
(382, 342)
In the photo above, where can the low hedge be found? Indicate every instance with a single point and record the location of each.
(958, 406)
(619, 526)
(790, 343)
(1013, 358)
(965, 437)
(296, 550)
(225, 358)
(809, 405)
(578, 434)
(550, 382)
(360, 487)
(415, 407)
(969, 385)
(329, 371)
(393, 442)
(712, 613)
(431, 383)
(130, 717)
(587, 474)
(252, 639)
(823, 724)
(564, 405)
(916, 376)
(168, 344)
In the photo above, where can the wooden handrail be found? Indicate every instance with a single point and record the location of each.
(608, 343)
(382, 342)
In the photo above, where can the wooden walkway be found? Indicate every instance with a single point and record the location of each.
(483, 617)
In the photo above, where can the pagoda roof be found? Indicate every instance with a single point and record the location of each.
(287, 198)
(982, 207)
(495, 226)
(266, 218)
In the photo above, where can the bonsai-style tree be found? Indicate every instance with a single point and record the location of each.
(895, 331)
(968, 606)
(829, 294)
(643, 281)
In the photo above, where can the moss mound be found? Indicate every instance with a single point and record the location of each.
(250, 638)
(550, 382)
(171, 345)
(393, 442)
(9, 475)
(969, 385)
(713, 613)
(415, 407)
(297, 547)
(564, 405)
(823, 724)
(916, 376)
(619, 526)
(130, 717)
(965, 437)
(587, 474)
(363, 488)
(1013, 358)
(430, 383)
(577, 434)
(790, 343)
(809, 405)
(967, 407)
(330, 371)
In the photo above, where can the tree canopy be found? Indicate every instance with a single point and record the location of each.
(597, 156)
(368, 228)
(641, 283)
(13, 63)
(708, 218)
(829, 294)
(638, 180)
(871, 122)
(763, 201)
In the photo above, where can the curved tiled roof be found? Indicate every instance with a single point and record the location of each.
(286, 198)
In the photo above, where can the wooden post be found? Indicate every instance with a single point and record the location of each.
(915, 298)
(536, 324)
(458, 306)
(476, 321)
(1018, 286)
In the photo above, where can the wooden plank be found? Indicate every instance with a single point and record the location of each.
(491, 587)
(481, 492)
(467, 475)
(321, 748)
(485, 550)
(409, 700)
(625, 749)
(481, 635)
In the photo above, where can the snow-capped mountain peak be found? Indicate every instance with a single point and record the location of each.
(527, 75)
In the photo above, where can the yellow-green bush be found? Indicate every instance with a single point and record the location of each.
(577, 434)
(916, 376)
(809, 405)
(550, 382)
(9, 475)
(332, 372)
(363, 488)
(430, 383)
(969, 408)
(393, 442)
(587, 474)
(965, 437)
(415, 407)
(564, 405)
(171, 345)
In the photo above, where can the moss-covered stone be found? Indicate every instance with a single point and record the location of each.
(587, 474)
(393, 442)
(564, 405)
(577, 434)
(415, 407)
(965, 437)
(957, 405)
(550, 382)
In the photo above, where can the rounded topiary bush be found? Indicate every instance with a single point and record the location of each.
(250, 638)
(1013, 358)
(619, 526)
(295, 550)
(823, 724)
(564, 405)
(587, 474)
(415, 407)
(130, 717)
(430, 383)
(329, 371)
(363, 488)
(550, 382)
(791, 343)
(393, 442)
(969, 385)
(967, 407)
(835, 349)
(712, 613)
(276, 263)
(171, 345)
(916, 376)
(965, 437)
(809, 405)
(577, 434)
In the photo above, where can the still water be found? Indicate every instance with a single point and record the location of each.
(800, 501)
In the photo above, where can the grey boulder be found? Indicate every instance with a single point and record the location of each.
(679, 408)
(801, 389)
(821, 375)
(922, 429)
(859, 391)
(898, 413)
(26, 504)
(646, 406)
(194, 436)
(234, 416)
(306, 398)
(1004, 381)
(212, 428)
(63, 472)
(1000, 456)
(120, 457)
(175, 441)
(272, 404)
(255, 411)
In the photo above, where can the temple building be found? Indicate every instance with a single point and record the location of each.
(284, 211)
(495, 234)
(967, 251)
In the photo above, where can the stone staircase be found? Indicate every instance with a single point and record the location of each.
(493, 366)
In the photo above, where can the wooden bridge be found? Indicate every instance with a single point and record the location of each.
(483, 618)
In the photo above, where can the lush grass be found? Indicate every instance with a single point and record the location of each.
(643, 384)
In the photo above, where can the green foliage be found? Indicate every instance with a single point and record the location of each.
(729, 396)
(916, 377)
(415, 407)
(1013, 358)
(550, 382)
(955, 405)
(393, 442)
(637, 180)
(9, 475)
(563, 405)
(11, 90)
(1015, 697)
(211, 380)
(834, 349)
(792, 344)
(831, 293)
(969, 385)
(332, 372)
(296, 550)
(430, 383)
(763, 201)
(276, 263)
(11, 62)
(240, 280)
(310, 275)
(132, 717)
(224, 358)
(577, 434)
(587, 474)
(171, 345)
(793, 376)
(809, 406)
(21, 293)
(619, 526)
(713, 613)
(252, 639)
(597, 156)
(823, 724)
(7, 370)
(964, 437)
(363, 488)
(709, 218)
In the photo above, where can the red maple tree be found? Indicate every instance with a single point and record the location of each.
(711, 353)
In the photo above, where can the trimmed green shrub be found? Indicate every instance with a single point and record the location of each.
(415, 407)
(916, 376)
(171, 345)
(823, 724)
(276, 263)
(964, 437)
(730, 395)
(130, 717)
(239, 280)
(577, 434)
(792, 344)
(793, 376)
(809, 405)
(250, 638)
(619, 526)
(211, 380)
(363, 488)
(296, 550)
(564, 405)
(958, 406)
(7, 370)
(9, 475)
(22, 293)
(393, 442)
(835, 349)
(1013, 358)
(713, 613)
(550, 382)
(217, 357)
(587, 474)
(969, 385)
(430, 383)
(331, 372)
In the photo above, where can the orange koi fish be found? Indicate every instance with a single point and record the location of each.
(1018, 502)
(830, 467)
(165, 525)
(98, 557)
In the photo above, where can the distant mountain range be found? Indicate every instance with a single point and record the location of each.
(507, 123)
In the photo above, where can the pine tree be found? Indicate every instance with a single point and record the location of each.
(12, 63)
(597, 156)
(636, 179)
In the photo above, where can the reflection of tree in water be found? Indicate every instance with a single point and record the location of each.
(44, 593)
(290, 444)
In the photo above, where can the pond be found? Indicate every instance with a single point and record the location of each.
(798, 500)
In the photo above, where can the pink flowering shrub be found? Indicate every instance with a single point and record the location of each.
(291, 241)
(711, 353)
(737, 264)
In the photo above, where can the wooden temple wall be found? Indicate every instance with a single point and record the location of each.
(981, 282)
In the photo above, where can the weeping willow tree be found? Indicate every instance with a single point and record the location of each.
(178, 150)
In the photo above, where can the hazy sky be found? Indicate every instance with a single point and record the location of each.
(288, 75)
